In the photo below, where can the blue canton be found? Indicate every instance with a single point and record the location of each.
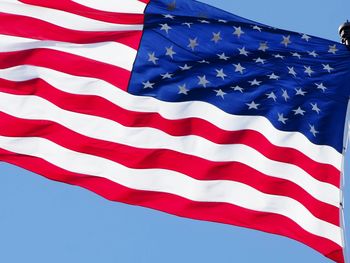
(194, 52)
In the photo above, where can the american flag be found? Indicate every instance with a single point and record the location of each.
(180, 107)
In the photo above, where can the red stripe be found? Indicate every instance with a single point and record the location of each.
(200, 169)
(215, 212)
(22, 26)
(81, 10)
(100, 107)
(68, 63)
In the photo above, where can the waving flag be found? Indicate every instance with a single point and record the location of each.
(180, 107)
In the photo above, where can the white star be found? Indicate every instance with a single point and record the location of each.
(203, 81)
(285, 95)
(263, 46)
(169, 16)
(239, 68)
(204, 61)
(187, 24)
(308, 70)
(220, 74)
(185, 67)
(286, 41)
(333, 49)
(305, 37)
(152, 58)
(193, 43)
(238, 31)
(321, 86)
(243, 52)
(170, 52)
(255, 82)
(238, 88)
(327, 67)
(271, 95)
(300, 92)
(216, 37)
(165, 27)
(203, 21)
(220, 93)
(296, 54)
(278, 56)
(313, 130)
(273, 76)
(183, 89)
(148, 85)
(313, 53)
(292, 71)
(281, 118)
(167, 75)
(315, 107)
(259, 60)
(222, 21)
(299, 111)
(257, 28)
(223, 56)
(252, 105)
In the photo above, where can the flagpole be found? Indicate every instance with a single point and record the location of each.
(342, 183)
(344, 32)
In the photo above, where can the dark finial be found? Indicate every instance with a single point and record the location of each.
(344, 32)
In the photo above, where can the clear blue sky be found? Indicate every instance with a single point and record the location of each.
(43, 221)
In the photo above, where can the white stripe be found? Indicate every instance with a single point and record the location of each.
(174, 111)
(172, 182)
(36, 108)
(112, 53)
(61, 18)
(118, 6)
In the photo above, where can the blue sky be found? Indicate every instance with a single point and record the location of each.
(44, 221)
